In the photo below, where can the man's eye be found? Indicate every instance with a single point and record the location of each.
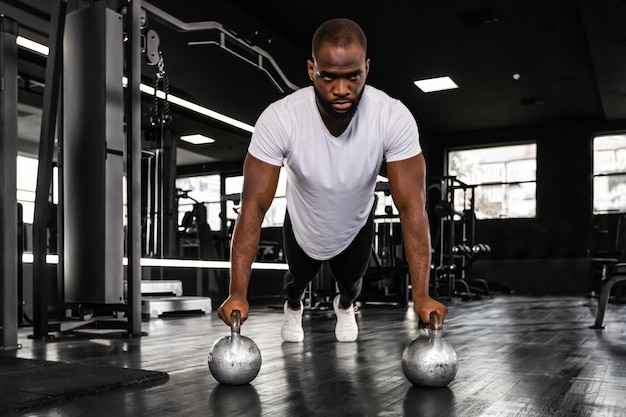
(331, 77)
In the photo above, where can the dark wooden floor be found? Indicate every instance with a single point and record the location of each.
(518, 356)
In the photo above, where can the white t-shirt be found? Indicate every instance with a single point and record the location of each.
(331, 180)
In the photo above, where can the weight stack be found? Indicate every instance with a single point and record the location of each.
(93, 163)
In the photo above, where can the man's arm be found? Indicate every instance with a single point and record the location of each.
(259, 186)
(407, 180)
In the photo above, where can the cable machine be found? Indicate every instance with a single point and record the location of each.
(93, 239)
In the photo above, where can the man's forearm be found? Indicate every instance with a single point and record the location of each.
(243, 251)
(417, 249)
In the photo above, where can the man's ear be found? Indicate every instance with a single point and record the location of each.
(310, 66)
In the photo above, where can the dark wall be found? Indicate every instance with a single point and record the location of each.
(561, 235)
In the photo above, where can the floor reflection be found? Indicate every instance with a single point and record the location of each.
(429, 402)
(235, 400)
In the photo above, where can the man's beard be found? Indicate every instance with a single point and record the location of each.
(328, 109)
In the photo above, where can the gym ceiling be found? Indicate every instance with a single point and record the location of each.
(569, 57)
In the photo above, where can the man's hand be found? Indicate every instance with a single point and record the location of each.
(423, 306)
(233, 303)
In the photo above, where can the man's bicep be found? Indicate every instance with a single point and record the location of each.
(407, 181)
(260, 180)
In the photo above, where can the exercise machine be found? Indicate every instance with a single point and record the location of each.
(387, 277)
(92, 237)
(195, 239)
(451, 201)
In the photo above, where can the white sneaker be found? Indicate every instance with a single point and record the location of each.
(346, 329)
(292, 324)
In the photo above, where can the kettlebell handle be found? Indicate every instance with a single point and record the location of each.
(235, 321)
(435, 321)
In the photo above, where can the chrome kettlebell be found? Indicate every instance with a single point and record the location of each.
(430, 361)
(234, 359)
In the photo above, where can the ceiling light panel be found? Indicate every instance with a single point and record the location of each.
(430, 85)
(197, 139)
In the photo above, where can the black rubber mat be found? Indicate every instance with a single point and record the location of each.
(26, 383)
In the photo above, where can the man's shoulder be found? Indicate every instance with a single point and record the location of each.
(379, 97)
(378, 101)
(285, 108)
(295, 98)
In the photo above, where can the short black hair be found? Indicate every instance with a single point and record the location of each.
(339, 32)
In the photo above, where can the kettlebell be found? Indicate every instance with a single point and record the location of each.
(234, 359)
(430, 361)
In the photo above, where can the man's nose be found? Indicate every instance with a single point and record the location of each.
(341, 87)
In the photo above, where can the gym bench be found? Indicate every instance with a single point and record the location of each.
(604, 300)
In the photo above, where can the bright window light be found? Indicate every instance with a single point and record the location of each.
(197, 139)
(502, 180)
(436, 84)
(609, 174)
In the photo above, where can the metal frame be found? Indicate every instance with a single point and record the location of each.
(228, 41)
(8, 200)
(41, 275)
(133, 166)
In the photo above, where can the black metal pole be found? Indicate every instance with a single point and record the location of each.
(8, 194)
(133, 166)
(41, 276)
(20, 264)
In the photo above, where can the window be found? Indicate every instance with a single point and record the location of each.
(26, 185)
(609, 174)
(275, 214)
(233, 187)
(202, 189)
(503, 179)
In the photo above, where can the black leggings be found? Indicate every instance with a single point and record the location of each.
(347, 268)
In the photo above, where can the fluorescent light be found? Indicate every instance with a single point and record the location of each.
(209, 113)
(192, 263)
(32, 45)
(183, 263)
(194, 107)
(44, 50)
(436, 84)
(197, 139)
(27, 258)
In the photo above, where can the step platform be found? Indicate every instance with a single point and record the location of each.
(158, 287)
(166, 296)
(162, 287)
(156, 306)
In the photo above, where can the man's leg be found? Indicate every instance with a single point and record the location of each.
(302, 269)
(348, 269)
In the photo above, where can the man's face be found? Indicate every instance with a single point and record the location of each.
(338, 76)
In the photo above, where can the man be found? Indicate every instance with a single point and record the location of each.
(332, 138)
